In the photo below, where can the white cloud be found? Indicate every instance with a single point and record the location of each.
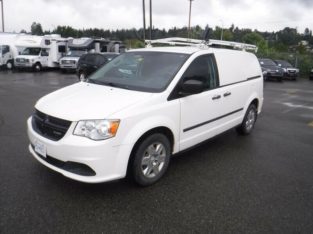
(108, 14)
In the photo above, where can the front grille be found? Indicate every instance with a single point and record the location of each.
(22, 60)
(48, 126)
(67, 62)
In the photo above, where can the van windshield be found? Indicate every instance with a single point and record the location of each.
(31, 51)
(141, 71)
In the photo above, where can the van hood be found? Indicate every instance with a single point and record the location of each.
(83, 101)
(27, 57)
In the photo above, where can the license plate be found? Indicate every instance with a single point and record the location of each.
(40, 148)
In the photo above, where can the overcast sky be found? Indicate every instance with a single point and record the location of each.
(264, 15)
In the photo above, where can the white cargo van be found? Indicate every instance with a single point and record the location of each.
(144, 106)
(38, 52)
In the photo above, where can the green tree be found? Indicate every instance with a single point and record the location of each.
(36, 29)
(258, 40)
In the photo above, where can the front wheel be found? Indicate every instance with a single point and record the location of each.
(10, 65)
(37, 67)
(151, 159)
(82, 76)
(248, 122)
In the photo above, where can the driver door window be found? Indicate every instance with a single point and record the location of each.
(203, 69)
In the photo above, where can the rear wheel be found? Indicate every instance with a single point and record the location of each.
(151, 159)
(248, 122)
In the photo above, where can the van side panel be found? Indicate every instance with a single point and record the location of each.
(240, 74)
(236, 66)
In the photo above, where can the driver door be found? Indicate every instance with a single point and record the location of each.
(44, 57)
(199, 111)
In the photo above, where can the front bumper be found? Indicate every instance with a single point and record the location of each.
(105, 158)
(290, 74)
(274, 74)
(68, 66)
(28, 65)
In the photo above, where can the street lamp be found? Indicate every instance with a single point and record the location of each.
(2, 14)
(189, 17)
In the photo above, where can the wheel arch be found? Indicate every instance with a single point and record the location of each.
(256, 100)
(160, 129)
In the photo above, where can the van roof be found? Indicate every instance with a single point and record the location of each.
(173, 49)
(184, 49)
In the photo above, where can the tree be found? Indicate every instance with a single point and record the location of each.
(36, 29)
(258, 40)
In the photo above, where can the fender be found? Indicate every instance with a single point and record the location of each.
(142, 127)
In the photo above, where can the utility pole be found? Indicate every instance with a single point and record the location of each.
(150, 32)
(189, 17)
(144, 20)
(2, 14)
(222, 29)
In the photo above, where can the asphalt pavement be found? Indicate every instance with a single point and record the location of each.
(262, 183)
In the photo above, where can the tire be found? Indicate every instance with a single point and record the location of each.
(82, 76)
(37, 67)
(151, 159)
(10, 65)
(247, 125)
(279, 79)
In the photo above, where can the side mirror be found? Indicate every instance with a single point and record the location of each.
(190, 87)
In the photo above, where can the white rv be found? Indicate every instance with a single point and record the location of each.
(79, 46)
(39, 52)
(8, 51)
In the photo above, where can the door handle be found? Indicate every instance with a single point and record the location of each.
(227, 94)
(215, 97)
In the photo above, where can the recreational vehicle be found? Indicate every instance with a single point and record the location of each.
(39, 52)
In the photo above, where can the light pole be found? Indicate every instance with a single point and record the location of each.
(144, 20)
(150, 32)
(2, 14)
(190, 3)
(222, 29)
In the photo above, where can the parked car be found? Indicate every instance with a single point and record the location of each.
(70, 60)
(271, 70)
(311, 74)
(290, 72)
(136, 111)
(89, 63)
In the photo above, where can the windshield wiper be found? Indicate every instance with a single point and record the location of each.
(111, 84)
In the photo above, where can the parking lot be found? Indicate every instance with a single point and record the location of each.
(262, 183)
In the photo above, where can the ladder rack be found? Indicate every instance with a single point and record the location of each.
(179, 41)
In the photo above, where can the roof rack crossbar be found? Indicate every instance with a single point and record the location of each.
(179, 41)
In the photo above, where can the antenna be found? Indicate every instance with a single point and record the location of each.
(206, 34)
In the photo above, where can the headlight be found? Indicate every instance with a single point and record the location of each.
(97, 129)
(284, 70)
